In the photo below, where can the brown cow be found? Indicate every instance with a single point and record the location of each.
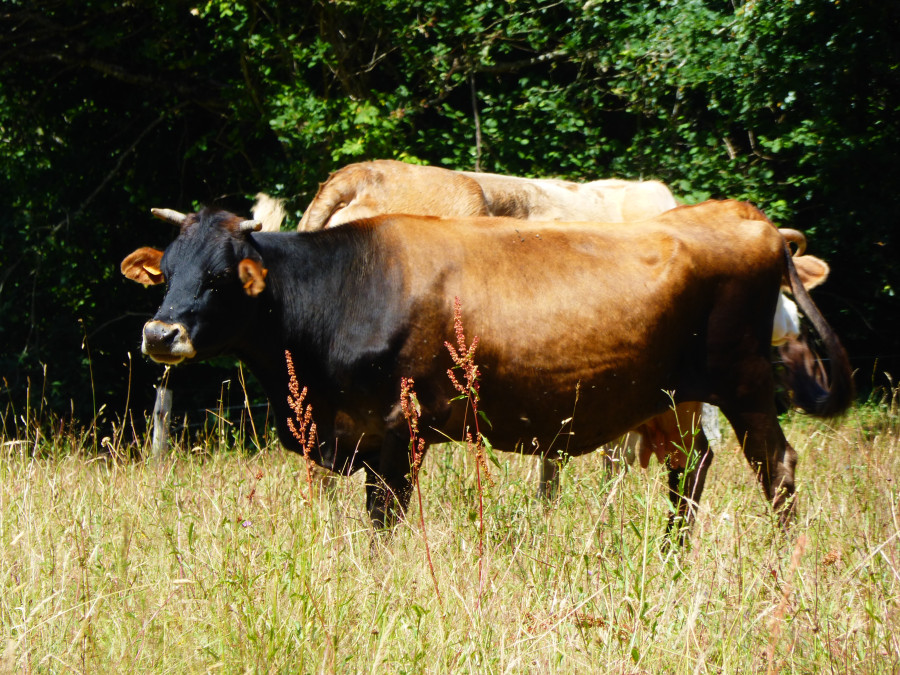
(620, 315)
(367, 189)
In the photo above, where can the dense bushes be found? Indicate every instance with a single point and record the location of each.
(108, 109)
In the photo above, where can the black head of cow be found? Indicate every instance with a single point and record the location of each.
(213, 273)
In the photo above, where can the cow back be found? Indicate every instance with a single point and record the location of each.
(368, 189)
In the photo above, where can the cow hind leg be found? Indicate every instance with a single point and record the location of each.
(687, 478)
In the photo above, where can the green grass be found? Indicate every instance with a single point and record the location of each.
(218, 559)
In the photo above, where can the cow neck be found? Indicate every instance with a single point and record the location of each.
(312, 279)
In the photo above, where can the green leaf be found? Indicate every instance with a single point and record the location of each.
(489, 450)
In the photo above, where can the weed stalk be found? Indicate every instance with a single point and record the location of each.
(463, 357)
(409, 403)
(305, 429)
(243, 382)
(787, 591)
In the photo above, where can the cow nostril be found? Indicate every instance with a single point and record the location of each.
(161, 333)
(167, 342)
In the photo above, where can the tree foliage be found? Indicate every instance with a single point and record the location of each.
(107, 109)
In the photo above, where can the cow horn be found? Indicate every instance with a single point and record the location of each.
(249, 226)
(170, 216)
(794, 237)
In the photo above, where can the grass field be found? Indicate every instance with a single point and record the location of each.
(221, 559)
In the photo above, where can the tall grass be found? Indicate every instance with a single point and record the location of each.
(217, 558)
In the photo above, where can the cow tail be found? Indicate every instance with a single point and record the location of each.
(812, 392)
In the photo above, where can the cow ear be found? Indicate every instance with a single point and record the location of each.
(812, 271)
(142, 266)
(253, 276)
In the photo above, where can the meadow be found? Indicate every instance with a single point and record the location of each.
(227, 555)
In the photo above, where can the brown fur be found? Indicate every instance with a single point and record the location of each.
(812, 271)
(571, 288)
(699, 244)
(365, 189)
(583, 327)
(142, 266)
(252, 276)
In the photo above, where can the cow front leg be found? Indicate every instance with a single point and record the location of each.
(548, 483)
(388, 486)
(386, 499)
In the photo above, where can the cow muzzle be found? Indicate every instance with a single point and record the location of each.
(167, 343)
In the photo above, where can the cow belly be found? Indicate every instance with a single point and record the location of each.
(574, 422)
(669, 435)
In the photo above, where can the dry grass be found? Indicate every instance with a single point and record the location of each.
(222, 560)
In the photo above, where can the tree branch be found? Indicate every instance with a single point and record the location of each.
(114, 171)
(477, 123)
(516, 66)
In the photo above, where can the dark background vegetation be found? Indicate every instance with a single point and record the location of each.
(108, 108)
